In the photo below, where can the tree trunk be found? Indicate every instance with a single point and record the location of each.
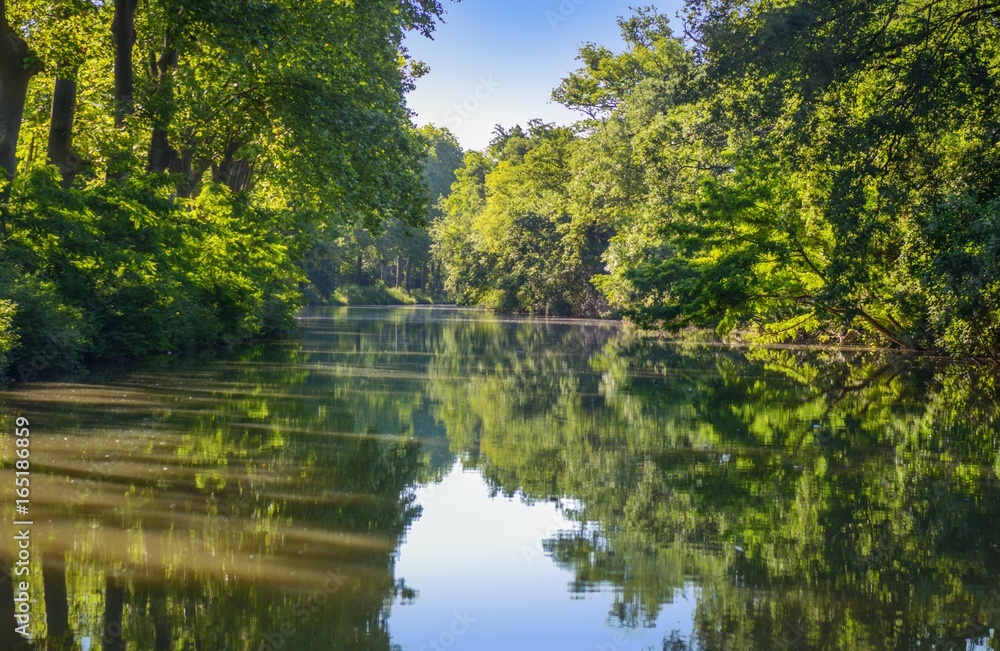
(383, 272)
(14, 76)
(423, 277)
(409, 267)
(399, 270)
(233, 172)
(357, 270)
(123, 34)
(60, 148)
(190, 172)
(114, 607)
(161, 155)
(56, 600)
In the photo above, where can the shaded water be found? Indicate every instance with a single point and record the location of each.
(420, 479)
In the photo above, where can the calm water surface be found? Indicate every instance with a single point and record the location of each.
(424, 479)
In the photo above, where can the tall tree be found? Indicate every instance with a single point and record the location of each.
(278, 122)
(17, 67)
(60, 147)
(124, 35)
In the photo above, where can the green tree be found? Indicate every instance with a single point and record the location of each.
(18, 64)
(169, 164)
(509, 230)
(454, 240)
(800, 169)
(854, 131)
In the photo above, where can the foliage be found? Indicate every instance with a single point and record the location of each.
(873, 119)
(177, 201)
(377, 294)
(509, 240)
(124, 271)
(444, 157)
(397, 254)
(798, 169)
(962, 287)
(453, 244)
(8, 337)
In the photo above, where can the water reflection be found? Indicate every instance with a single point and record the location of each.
(818, 500)
(247, 502)
(783, 499)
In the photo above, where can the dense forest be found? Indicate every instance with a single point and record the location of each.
(821, 169)
(175, 173)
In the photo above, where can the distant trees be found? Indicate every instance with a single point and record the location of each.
(509, 239)
(395, 253)
(807, 168)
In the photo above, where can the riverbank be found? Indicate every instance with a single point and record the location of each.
(380, 294)
(52, 361)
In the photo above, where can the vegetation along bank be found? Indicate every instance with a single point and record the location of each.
(173, 170)
(815, 168)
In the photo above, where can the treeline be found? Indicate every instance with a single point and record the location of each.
(168, 166)
(816, 168)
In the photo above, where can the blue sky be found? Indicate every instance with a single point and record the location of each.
(497, 61)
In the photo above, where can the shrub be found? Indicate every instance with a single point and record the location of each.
(48, 333)
(8, 338)
(962, 284)
(125, 270)
(377, 294)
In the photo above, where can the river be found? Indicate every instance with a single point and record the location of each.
(417, 479)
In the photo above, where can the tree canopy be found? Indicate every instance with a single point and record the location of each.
(169, 164)
(785, 169)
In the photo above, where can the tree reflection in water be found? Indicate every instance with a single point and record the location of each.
(255, 500)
